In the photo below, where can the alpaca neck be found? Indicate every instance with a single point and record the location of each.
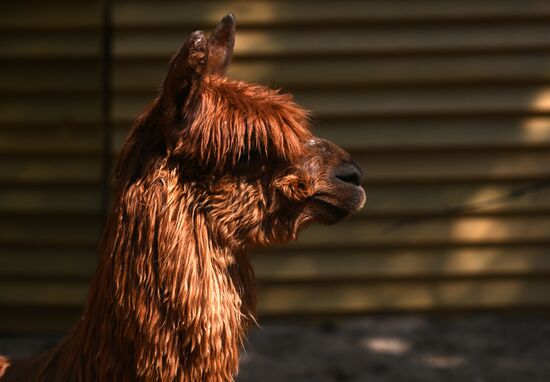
(168, 302)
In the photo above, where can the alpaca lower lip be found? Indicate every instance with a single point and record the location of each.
(355, 202)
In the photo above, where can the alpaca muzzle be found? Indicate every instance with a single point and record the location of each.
(350, 176)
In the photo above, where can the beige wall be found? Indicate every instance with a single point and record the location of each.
(446, 105)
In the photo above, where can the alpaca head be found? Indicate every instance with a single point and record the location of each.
(246, 149)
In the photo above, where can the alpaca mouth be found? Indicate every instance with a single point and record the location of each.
(331, 209)
(346, 201)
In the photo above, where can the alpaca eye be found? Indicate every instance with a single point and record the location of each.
(249, 169)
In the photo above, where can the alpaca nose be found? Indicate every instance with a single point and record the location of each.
(349, 173)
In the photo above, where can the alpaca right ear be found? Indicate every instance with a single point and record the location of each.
(220, 45)
(183, 81)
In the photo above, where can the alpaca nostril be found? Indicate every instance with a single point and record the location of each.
(349, 174)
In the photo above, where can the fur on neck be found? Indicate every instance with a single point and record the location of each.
(167, 303)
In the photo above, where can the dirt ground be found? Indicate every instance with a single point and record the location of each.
(476, 348)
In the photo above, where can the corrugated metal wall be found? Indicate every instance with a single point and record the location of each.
(446, 105)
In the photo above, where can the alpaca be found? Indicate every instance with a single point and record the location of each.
(212, 168)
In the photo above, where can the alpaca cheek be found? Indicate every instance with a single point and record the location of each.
(235, 216)
(295, 188)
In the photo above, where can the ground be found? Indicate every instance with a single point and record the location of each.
(410, 348)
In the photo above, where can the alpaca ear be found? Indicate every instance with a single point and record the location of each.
(185, 73)
(220, 45)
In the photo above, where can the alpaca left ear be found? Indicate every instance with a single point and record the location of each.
(220, 45)
(185, 72)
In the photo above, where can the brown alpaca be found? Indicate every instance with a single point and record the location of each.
(212, 168)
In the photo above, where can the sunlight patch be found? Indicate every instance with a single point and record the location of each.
(387, 345)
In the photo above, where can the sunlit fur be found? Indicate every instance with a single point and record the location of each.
(206, 173)
(234, 118)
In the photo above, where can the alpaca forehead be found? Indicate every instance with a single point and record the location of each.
(231, 101)
(249, 96)
(255, 114)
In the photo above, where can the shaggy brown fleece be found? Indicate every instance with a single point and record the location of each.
(212, 168)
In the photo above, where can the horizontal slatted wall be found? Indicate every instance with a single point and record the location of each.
(50, 159)
(446, 105)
